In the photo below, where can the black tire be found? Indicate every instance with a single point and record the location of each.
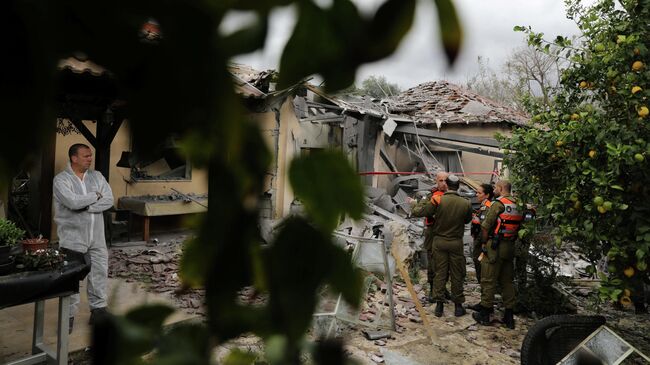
(553, 337)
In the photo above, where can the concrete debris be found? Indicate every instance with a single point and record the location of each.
(450, 104)
(377, 358)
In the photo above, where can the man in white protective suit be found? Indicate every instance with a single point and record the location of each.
(81, 196)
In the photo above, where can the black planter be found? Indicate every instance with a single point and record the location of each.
(5, 251)
(7, 267)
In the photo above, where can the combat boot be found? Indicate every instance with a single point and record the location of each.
(475, 307)
(439, 308)
(482, 316)
(430, 297)
(509, 319)
(459, 310)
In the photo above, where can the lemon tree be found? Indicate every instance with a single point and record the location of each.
(584, 163)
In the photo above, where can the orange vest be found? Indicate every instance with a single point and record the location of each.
(479, 216)
(509, 221)
(435, 200)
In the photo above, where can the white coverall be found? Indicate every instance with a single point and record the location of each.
(78, 213)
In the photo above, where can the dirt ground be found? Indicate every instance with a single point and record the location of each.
(458, 340)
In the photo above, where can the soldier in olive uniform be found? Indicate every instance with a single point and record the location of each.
(420, 210)
(498, 234)
(452, 212)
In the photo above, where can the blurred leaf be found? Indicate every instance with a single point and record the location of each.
(186, 343)
(329, 351)
(249, 39)
(150, 316)
(450, 29)
(275, 348)
(239, 357)
(391, 22)
(194, 263)
(117, 341)
(328, 187)
(293, 282)
(312, 35)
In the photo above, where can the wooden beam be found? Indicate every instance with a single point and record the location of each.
(428, 133)
(47, 182)
(477, 150)
(113, 130)
(84, 131)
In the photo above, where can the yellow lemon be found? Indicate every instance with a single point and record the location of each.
(636, 89)
(639, 157)
(629, 272)
(575, 116)
(592, 154)
(583, 84)
(602, 209)
(559, 144)
(637, 66)
(643, 111)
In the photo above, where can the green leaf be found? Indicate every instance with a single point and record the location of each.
(617, 187)
(293, 283)
(327, 186)
(247, 40)
(194, 263)
(184, 343)
(239, 357)
(450, 29)
(623, 206)
(150, 316)
(390, 24)
(640, 254)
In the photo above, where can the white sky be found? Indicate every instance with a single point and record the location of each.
(488, 32)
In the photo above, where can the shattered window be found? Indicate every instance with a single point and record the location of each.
(166, 163)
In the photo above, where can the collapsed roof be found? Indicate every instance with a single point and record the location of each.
(441, 102)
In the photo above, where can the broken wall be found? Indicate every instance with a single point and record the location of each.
(473, 162)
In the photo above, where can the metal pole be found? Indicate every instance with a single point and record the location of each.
(388, 238)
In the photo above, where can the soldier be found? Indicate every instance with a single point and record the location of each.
(485, 195)
(420, 210)
(498, 235)
(452, 212)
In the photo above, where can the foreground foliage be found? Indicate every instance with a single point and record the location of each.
(584, 163)
(179, 83)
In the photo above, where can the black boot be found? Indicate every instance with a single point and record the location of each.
(482, 316)
(509, 319)
(430, 297)
(459, 310)
(475, 307)
(439, 308)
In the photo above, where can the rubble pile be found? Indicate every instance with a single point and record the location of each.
(157, 268)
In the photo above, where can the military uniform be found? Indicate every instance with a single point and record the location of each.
(452, 213)
(477, 218)
(423, 209)
(497, 268)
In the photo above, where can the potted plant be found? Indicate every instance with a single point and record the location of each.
(34, 244)
(42, 260)
(10, 235)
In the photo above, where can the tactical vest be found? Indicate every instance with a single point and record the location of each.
(509, 221)
(435, 200)
(479, 216)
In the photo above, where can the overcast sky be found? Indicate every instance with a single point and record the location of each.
(488, 33)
